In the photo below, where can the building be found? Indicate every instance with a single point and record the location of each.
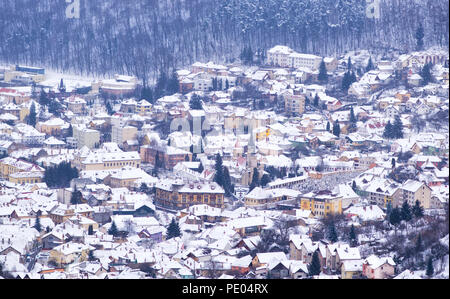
(165, 156)
(413, 191)
(178, 194)
(286, 57)
(294, 104)
(321, 203)
(375, 267)
(76, 104)
(9, 166)
(114, 160)
(26, 177)
(121, 134)
(86, 137)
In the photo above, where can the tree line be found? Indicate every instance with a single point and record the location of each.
(146, 38)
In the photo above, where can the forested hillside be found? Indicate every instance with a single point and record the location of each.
(142, 37)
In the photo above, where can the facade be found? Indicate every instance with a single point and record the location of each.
(9, 166)
(413, 191)
(378, 268)
(181, 195)
(86, 137)
(321, 203)
(106, 161)
(167, 156)
(294, 104)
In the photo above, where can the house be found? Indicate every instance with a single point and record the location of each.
(346, 253)
(279, 269)
(298, 269)
(248, 225)
(268, 259)
(67, 253)
(375, 267)
(416, 191)
(351, 269)
(365, 213)
(242, 265)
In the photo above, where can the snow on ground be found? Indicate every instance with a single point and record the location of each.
(70, 81)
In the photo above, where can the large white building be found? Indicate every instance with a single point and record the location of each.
(286, 57)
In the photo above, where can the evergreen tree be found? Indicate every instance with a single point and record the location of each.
(43, 98)
(336, 129)
(195, 102)
(218, 177)
(352, 235)
(37, 223)
(417, 210)
(332, 235)
(227, 181)
(345, 82)
(419, 37)
(397, 127)
(227, 84)
(369, 66)
(173, 230)
(395, 216)
(352, 116)
(316, 100)
(328, 126)
(430, 268)
(255, 179)
(349, 64)
(32, 116)
(265, 179)
(113, 229)
(388, 131)
(426, 75)
(314, 267)
(323, 76)
(393, 163)
(406, 211)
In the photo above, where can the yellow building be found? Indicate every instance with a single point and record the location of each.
(26, 177)
(322, 203)
(10, 166)
(69, 252)
(52, 126)
(262, 133)
(143, 107)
